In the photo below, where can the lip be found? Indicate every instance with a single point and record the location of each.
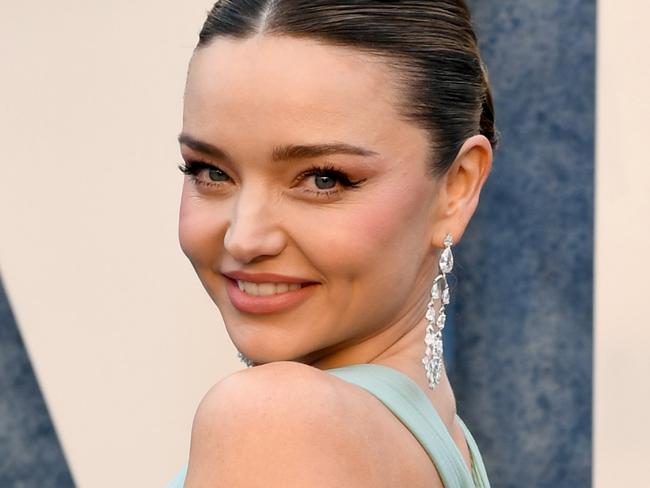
(279, 302)
(264, 277)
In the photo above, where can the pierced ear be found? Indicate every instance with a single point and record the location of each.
(461, 187)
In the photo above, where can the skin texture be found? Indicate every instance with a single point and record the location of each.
(371, 250)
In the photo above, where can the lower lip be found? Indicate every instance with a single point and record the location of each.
(266, 304)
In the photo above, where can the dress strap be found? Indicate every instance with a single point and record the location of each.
(478, 468)
(411, 406)
(179, 479)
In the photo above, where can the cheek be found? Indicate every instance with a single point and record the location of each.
(199, 230)
(373, 237)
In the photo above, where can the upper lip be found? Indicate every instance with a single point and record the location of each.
(264, 277)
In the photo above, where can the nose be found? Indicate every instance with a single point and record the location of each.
(254, 232)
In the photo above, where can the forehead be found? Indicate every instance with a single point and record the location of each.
(270, 86)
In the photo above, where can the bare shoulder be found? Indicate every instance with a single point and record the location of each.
(286, 424)
(256, 387)
(282, 391)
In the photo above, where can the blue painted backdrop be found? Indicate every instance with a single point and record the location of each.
(521, 360)
(30, 454)
(522, 368)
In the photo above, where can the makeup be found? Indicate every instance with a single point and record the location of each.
(266, 304)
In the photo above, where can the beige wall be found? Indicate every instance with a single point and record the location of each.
(123, 338)
(622, 348)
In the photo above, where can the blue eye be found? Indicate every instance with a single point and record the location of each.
(195, 168)
(328, 178)
(324, 182)
(216, 174)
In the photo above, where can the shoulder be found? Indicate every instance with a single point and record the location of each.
(271, 392)
(271, 377)
(284, 395)
(287, 424)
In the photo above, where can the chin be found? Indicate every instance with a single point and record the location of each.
(263, 347)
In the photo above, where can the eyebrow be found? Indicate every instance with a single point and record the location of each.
(281, 153)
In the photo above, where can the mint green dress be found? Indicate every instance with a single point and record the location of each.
(411, 406)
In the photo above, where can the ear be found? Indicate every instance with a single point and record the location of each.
(459, 189)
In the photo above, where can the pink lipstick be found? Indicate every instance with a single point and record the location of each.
(281, 292)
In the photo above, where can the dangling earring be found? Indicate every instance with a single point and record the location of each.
(432, 359)
(244, 359)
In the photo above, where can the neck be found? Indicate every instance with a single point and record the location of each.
(404, 353)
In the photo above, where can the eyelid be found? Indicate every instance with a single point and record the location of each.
(193, 168)
(329, 169)
(344, 183)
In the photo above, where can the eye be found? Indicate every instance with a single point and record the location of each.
(326, 179)
(324, 182)
(203, 173)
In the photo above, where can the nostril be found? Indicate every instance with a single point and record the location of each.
(250, 239)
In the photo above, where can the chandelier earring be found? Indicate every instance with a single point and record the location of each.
(432, 360)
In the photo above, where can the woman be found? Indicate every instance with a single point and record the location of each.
(334, 151)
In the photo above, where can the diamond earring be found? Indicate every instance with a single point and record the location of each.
(244, 359)
(432, 359)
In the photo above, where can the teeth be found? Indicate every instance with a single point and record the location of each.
(281, 287)
(265, 289)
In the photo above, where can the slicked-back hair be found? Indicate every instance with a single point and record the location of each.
(430, 45)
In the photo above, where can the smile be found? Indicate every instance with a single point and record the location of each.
(267, 297)
(266, 289)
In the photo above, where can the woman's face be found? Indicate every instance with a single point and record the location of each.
(303, 171)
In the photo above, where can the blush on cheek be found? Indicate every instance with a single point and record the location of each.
(378, 234)
(185, 233)
(391, 218)
(187, 237)
(199, 233)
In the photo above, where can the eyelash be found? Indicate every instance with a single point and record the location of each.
(193, 168)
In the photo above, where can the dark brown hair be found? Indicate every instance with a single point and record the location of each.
(430, 43)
